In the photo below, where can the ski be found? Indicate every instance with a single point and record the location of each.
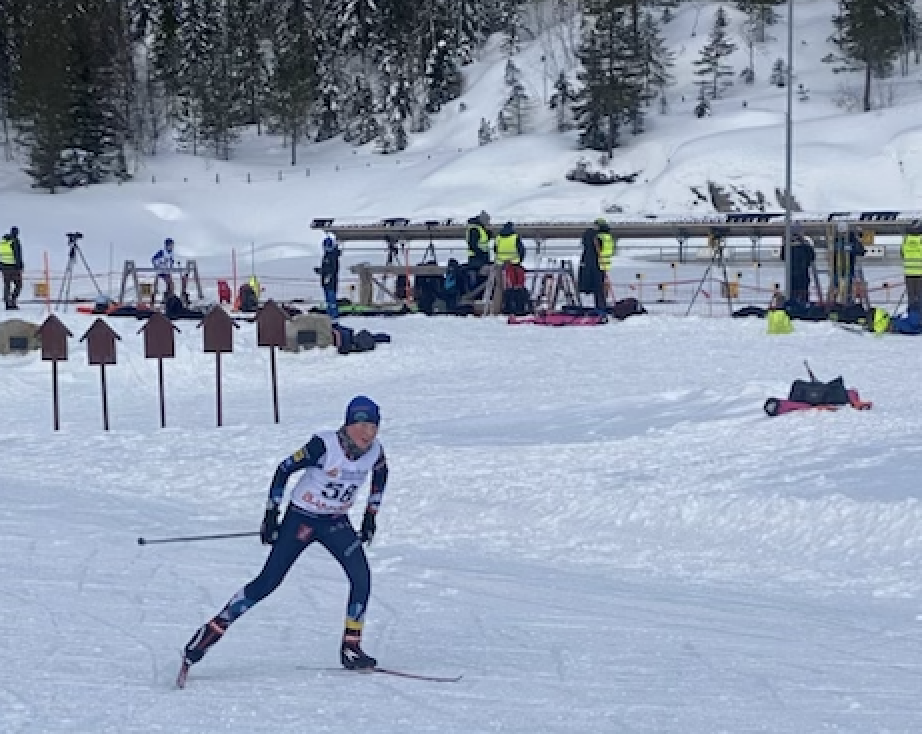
(389, 671)
(419, 676)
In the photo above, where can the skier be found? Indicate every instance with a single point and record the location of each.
(164, 262)
(335, 464)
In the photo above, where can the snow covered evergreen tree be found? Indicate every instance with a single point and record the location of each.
(612, 78)
(293, 81)
(561, 102)
(715, 75)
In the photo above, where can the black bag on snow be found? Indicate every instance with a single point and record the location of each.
(819, 393)
(363, 341)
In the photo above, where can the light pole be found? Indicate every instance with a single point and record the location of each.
(787, 153)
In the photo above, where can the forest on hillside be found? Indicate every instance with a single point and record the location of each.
(90, 87)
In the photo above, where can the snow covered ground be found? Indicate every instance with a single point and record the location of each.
(598, 527)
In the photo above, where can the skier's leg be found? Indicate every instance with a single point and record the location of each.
(345, 546)
(295, 534)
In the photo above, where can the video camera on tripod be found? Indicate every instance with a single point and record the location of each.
(74, 252)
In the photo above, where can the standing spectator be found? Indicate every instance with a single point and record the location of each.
(598, 248)
(803, 255)
(12, 267)
(477, 237)
(510, 253)
(508, 246)
(164, 261)
(606, 245)
(329, 275)
(854, 248)
(911, 254)
(478, 241)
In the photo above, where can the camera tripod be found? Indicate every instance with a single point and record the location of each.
(73, 253)
(717, 258)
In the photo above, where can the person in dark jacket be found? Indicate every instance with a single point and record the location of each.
(854, 248)
(802, 258)
(591, 277)
(329, 275)
(478, 237)
(11, 266)
(333, 466)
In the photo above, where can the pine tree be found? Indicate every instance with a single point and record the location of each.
(612, 91)
(561, 101)
(41, 108)
(714, 74)
(100, 90)
(656, 58)
(513, 117)
(330, 78)
(511, 26)
(358, 27)
(8, 61)
(486, 134)
(872, 35)
(166, 48)
(443, 77)
(249, 68)
(400, 58)
(362, 126)
(292, 81)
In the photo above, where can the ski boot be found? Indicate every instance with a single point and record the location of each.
(207, 635)
(351, 654)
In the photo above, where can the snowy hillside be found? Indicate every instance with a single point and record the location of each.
(258, 204)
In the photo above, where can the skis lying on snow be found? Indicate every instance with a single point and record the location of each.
(391, 671)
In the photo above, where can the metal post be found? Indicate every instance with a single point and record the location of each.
(787, 148)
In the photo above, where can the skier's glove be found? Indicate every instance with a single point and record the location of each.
(269, 530)
(368, 527)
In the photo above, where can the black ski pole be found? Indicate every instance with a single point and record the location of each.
(898, 304)
(810, 372)
(190, 538)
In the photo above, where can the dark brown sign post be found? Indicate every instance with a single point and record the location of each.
(218, 329)
(54, 336)
(100, 349)
(270, 332)
(159, 344)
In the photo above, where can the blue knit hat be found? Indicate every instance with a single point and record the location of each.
(362, 410)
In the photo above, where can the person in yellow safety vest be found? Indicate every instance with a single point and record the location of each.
(11, 266)
(606, 243)
(509, 246)
(592, 279)
(477, 237)
(254, 284)
(911, 254)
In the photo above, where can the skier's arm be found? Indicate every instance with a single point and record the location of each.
(378, 483)
(311, 454)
